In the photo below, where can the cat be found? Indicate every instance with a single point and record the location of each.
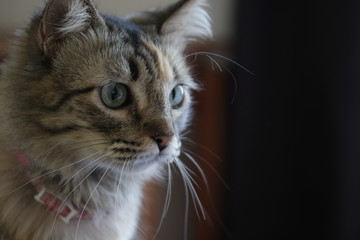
(91, 107)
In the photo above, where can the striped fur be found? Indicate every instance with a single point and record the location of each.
(51, 110)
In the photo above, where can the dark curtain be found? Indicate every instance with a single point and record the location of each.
(294, 152)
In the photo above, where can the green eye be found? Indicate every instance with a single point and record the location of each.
(114, 95)
(177, 96)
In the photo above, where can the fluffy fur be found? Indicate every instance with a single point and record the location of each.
(83, 151)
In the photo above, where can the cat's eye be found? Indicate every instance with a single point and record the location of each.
(114, 95)
(177, 96)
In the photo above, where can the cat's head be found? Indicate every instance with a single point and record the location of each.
(81, 86)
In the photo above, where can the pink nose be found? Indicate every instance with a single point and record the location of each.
(162, 141)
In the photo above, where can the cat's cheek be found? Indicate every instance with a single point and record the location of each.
(182, 117)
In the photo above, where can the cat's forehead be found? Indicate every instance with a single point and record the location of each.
(141, 52)
(117, 25)
(123, 51)
(114, 22)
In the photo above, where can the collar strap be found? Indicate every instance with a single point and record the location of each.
(67, 211)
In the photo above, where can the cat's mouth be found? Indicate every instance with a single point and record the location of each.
(158, 157)
(136, 160)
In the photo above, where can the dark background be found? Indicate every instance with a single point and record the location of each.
(294, 148)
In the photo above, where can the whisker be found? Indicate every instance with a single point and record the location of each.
(84, 167)
(222, 57)
(168, 192)
(124, 169)
(211, 203)
(183, 134)
(235, 84)
(87, 202)
(211, 167)
(142, 231)
(46, 174)
(73, 190)
(167, 201)
(227, 69)
(188, 140)
(212, 60)
(118, 178)
(188, 180)
(195, 58)
(186, 214)
(190, 173)
(77, 143)
(214, 209)
(203, 176)
(50, 151)
(72, 148)
(212, 63)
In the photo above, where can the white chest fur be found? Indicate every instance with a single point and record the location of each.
(117, 222)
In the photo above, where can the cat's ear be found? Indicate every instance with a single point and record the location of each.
(64, 18)
(182, 22)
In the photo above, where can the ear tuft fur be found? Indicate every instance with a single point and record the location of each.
(76, 19)
(62, 18)
(179, 24)
(190, 21)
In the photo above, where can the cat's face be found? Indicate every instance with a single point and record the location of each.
(118, 93)
(101, 90)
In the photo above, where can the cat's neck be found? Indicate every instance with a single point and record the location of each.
(19, 208)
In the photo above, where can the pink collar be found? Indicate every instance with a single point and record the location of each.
(67, 211)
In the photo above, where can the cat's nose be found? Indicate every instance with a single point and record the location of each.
(162, 141)
(160, 131)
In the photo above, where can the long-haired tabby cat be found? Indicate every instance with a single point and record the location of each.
(91, 106)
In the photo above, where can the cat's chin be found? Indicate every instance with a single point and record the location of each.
(147, 164)
(152, 161)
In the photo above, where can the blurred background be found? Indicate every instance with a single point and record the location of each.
(278, 137)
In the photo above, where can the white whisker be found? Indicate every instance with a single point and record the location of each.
(168, 192)
(74, 146)
(235, 84)
(73, 190)
(188, 180)
(167, 201)
(87, 202)
(186, 214)
(212, 63)
(203, 176)
(83, 168)
(124, 169)
(142, 231)
(212, 60)
(46, 174)
(223, 57)
(50, 151)
(188, 140)
(210, 166)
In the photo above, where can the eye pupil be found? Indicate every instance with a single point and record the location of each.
(173, 94)
(114, 95)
